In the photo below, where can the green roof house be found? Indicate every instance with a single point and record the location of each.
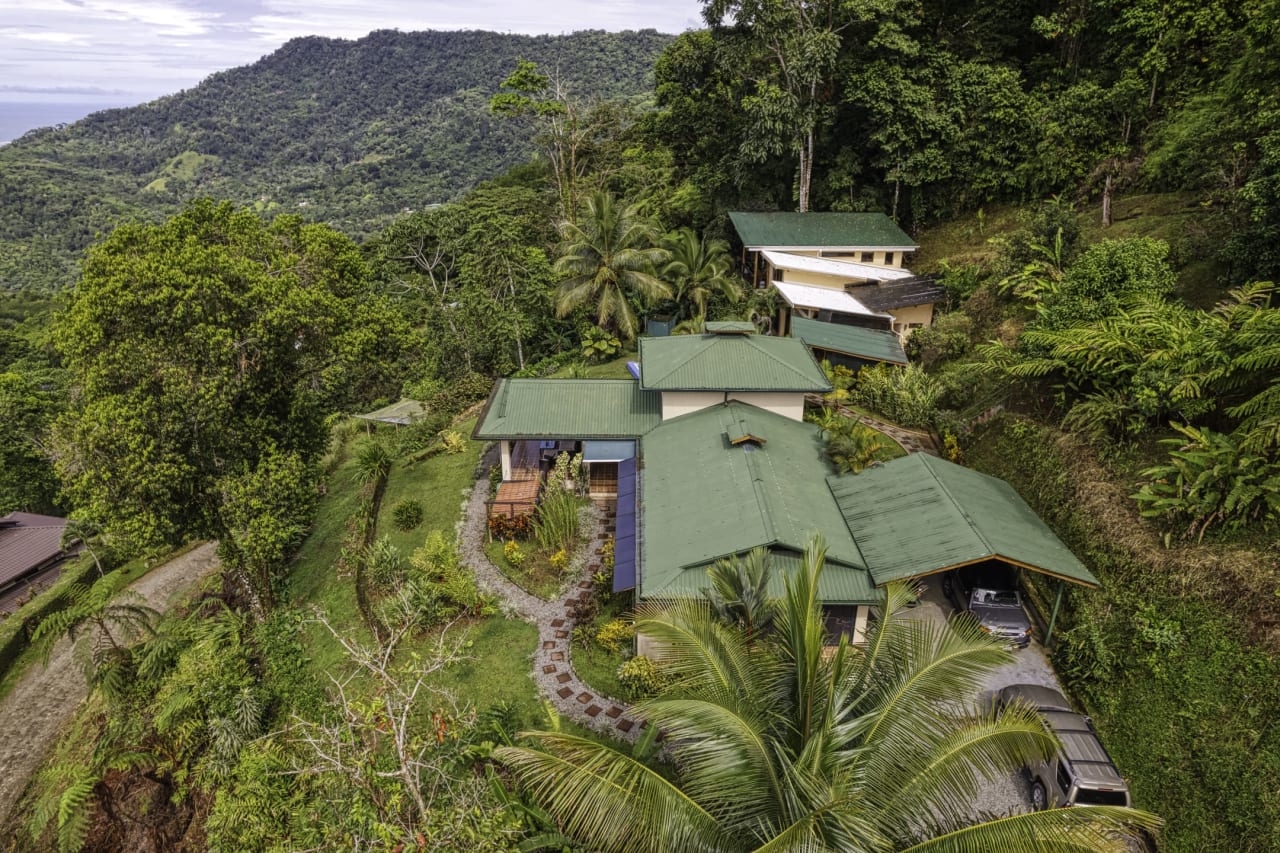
(708, 456)
(839, 269)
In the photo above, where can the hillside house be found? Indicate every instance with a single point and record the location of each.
(844, 269)
(707, 456)
(31, 554)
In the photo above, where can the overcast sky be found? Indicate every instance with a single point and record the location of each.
(130, 51)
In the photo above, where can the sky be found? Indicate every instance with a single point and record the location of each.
(120, 52)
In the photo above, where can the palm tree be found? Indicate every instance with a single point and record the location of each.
(739, 593)
(609, 255)
(698, 269)
(791, 744)
(852, 446)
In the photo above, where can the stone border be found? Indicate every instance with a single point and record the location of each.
(552, 666)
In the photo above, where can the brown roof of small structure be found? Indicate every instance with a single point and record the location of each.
(28, 542)
(918, 290)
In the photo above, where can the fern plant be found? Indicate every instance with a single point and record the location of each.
(1211, 481)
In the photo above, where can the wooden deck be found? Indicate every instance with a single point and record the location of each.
(517, 497)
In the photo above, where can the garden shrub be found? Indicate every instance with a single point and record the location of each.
(407, 515)
(557, 522)
(384, 563)
(614, 633)
(559, 560)
(513, 554)
(502, 526)
(453, 442)
(904, 395)
(641, 677)
(439, 576)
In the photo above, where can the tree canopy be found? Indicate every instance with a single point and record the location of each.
(199, 348)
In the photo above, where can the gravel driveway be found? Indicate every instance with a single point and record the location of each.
(34, 712)
(1030, 666)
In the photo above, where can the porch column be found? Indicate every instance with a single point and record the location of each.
(860, 623)
(1053, 618)
(505, 446)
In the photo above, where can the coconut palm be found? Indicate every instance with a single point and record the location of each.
(792, 744)
(609, 256)
(699, 269)
(852, 445)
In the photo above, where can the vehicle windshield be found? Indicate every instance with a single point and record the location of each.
(996, 598)
(1090, 797)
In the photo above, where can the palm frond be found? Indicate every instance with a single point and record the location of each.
(606, 800)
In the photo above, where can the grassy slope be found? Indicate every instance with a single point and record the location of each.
(500, 648)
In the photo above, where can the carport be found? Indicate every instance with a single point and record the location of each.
(921, 515)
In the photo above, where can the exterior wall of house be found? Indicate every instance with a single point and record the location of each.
(788, 405)
(906, 319)
(505, 446)
(813, 279)
(677, 403)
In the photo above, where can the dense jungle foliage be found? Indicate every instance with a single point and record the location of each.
(1097, 185)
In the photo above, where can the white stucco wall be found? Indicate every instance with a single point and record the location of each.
(677, 403)
(788, 405)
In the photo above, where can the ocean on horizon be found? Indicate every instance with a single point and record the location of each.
(16, 118)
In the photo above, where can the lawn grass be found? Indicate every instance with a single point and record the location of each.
(613, 369)
(535, 576)
(441, 482)
(498, 667)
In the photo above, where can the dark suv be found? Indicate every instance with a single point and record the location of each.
(1081, 772)
(990, 593)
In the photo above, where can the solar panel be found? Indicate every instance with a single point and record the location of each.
(624, 539)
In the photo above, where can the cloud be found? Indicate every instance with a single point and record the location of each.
(146, 48)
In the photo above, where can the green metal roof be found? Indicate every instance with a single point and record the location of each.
(819, 231)
(703, 499)
(839, 584)
(920, 514)
(728, 363)
(403, 412)
(873, 344)
(569, 408)
(730, 327)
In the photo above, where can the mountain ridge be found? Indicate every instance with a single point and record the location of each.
(349, 132)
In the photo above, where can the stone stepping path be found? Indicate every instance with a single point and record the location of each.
(552, 662)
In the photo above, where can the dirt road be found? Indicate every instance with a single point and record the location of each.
(46, 697)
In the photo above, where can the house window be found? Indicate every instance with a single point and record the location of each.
(888, 259)
(777, 274)
(868, 257)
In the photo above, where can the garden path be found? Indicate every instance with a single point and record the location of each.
(552, 665)
(34, 712)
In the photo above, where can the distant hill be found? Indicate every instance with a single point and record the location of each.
(347, 132)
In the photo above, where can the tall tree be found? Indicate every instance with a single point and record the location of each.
(609, 255)
(197, 348)
(792, 102)
(27, 481)
(790, 744)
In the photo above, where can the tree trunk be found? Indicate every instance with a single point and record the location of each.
(897, 190)
(1106, 202)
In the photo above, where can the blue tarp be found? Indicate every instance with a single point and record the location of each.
(633, 367)
(624, 538)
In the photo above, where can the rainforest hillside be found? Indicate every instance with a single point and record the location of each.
(348, 132)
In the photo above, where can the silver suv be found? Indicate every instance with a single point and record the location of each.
(990, 593)
(1080, 773)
